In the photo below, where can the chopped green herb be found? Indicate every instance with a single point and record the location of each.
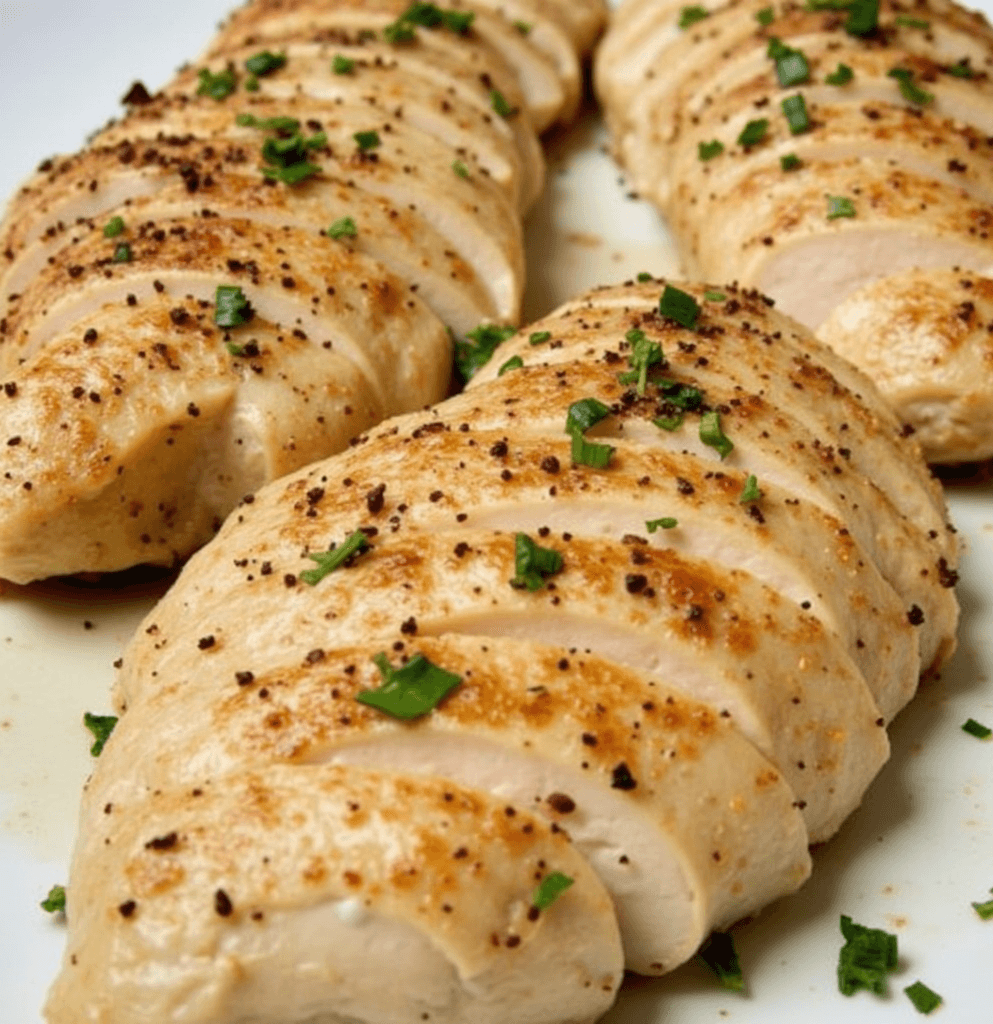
(584, 414)
(712, 435)
(219, 86)
(961, 69)
(791, 67)
(477, 351)
(250, 350)
(293, 174)
(251, 84)
(984, 910)
(905, 22)
(329, 561)
(426, 15)
(55, 901)
(460, 169)
(924, 999)
(751, 491)
(679, 306)
(714, 296)
(841, 75)
(523, 27)
(765, 16)
(342, 65)
(588, 453)
(719, 954)
(828, 5)
(113, 227)
(540, 337)
(232, 309)
(500, 104)
(409, 692)
(864, 959)
(644, 277)
(795, 110)
(665, 523)
(399, 32)
(910, 92)
(974, 728)
(264, 63)
(669, 423)
(644, 353)
(533, 564)
(689, 16)
(753, 132)
(839, 206)
(459, 22)
(790, 162)
(682, 396)
(777, 48)
(269, 124)
(343, 227)
(863, 17)
(708, 150)
(122, 253)
(551, 888)
(513, 363)
(101, 726)
(367, 140)
(287, 155)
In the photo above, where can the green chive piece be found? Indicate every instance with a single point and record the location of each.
(342, 65)
(708, 150)
(101, 726)
(863, 17)
(905, 22)
(540, 337)
(499, 103)
(589, 453)
(828, 5)
(719, 954)
(715, 296)
(751, 491)
(670, 423)
(399, 32)
(425, 15)
(459, 22)
(269, 124)
(790, 162)
(665, 523)
(689, 16)
(682, 396)
(551, 888)
(409, 692)
(679, 306)
(984, 910)
(644, 277)
(329, 561)
(644, 354)
(753, 132)
(264, 63)
(841, 75)
(584, 414)
(460, 169)
(523, 27)
(343, 227)
(367, 140)
(113, 227)
(251, 84)
(513, 363)
(250, 350)
(232, 308)
(765, 16)
(792, 69)
(293, 174)
(476, 352)
(795, 110)
(533, 564)
(977, 729)
(961, 69)
(910, 92)
(55, 901)
(865, 958)
(122, 253)
(924, 999)
(219, 86)
(712, 435)
(840, 206)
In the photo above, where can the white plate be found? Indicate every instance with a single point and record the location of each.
(911, 860)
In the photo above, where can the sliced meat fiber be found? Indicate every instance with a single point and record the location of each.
(938, 318)
(659, 793)
(282, 893)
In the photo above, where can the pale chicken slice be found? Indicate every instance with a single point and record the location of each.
(285, 893)
(941, 320)
(671, 806)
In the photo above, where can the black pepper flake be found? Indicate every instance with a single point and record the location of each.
(436, 496)
(635, 583)
(314, 656)
(10, 389)
(513, 941)
(409, 628)
(222, 903)
(206, 642)
(179, 316)
(684, 486)
(90, 336)
(136, 96)
(245, 678)
(499, 450)
(561, 803)
(915, 616)
(589, 740)
(314, 495)
(162, 843)
(621, 777)
(461, 549)
(14, 441)
(550, 464)
(374, 500)
(127, 909)
(947, 576)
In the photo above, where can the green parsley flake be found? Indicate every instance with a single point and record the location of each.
(286, 156)
(689, 16)
(795, 111)
(460, 22)
(342, 65)
(790, 162)
(532, 564)
(264, 63)
(765, 16)
(399, 32)
(460, 169)
(644, 277)
(55, 901)
(905, 22)
(984, 910)
(232, 309)
(679, 306)
(753, 132)
(665, 523)
(712, 435)
(551, 888)
(293, 174)
(791, 67)
(644, 353)
(251, 84)
(367, 140)
(863, 17)
(329, 561)
(961, 69)
(589, 453)
(584, 414)
(523, 27)
(669, 423)
(839, 206)
(708, 150)
(101, 726)
(122, 253)
(269, 124)
(910, 92)
(540, 337)
(219, 86)
(499, 103)
(828, 5)
(409, 692)
(719, 954)
(513, 363)
(751, 491)
(865, 958)
(343, 227)
(715, 296)
(682, 396)
(476, 352)
(113, 227)
(974, 728)
(924, 999)
(841, 75)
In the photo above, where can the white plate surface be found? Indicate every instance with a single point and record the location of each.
(910, 860)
